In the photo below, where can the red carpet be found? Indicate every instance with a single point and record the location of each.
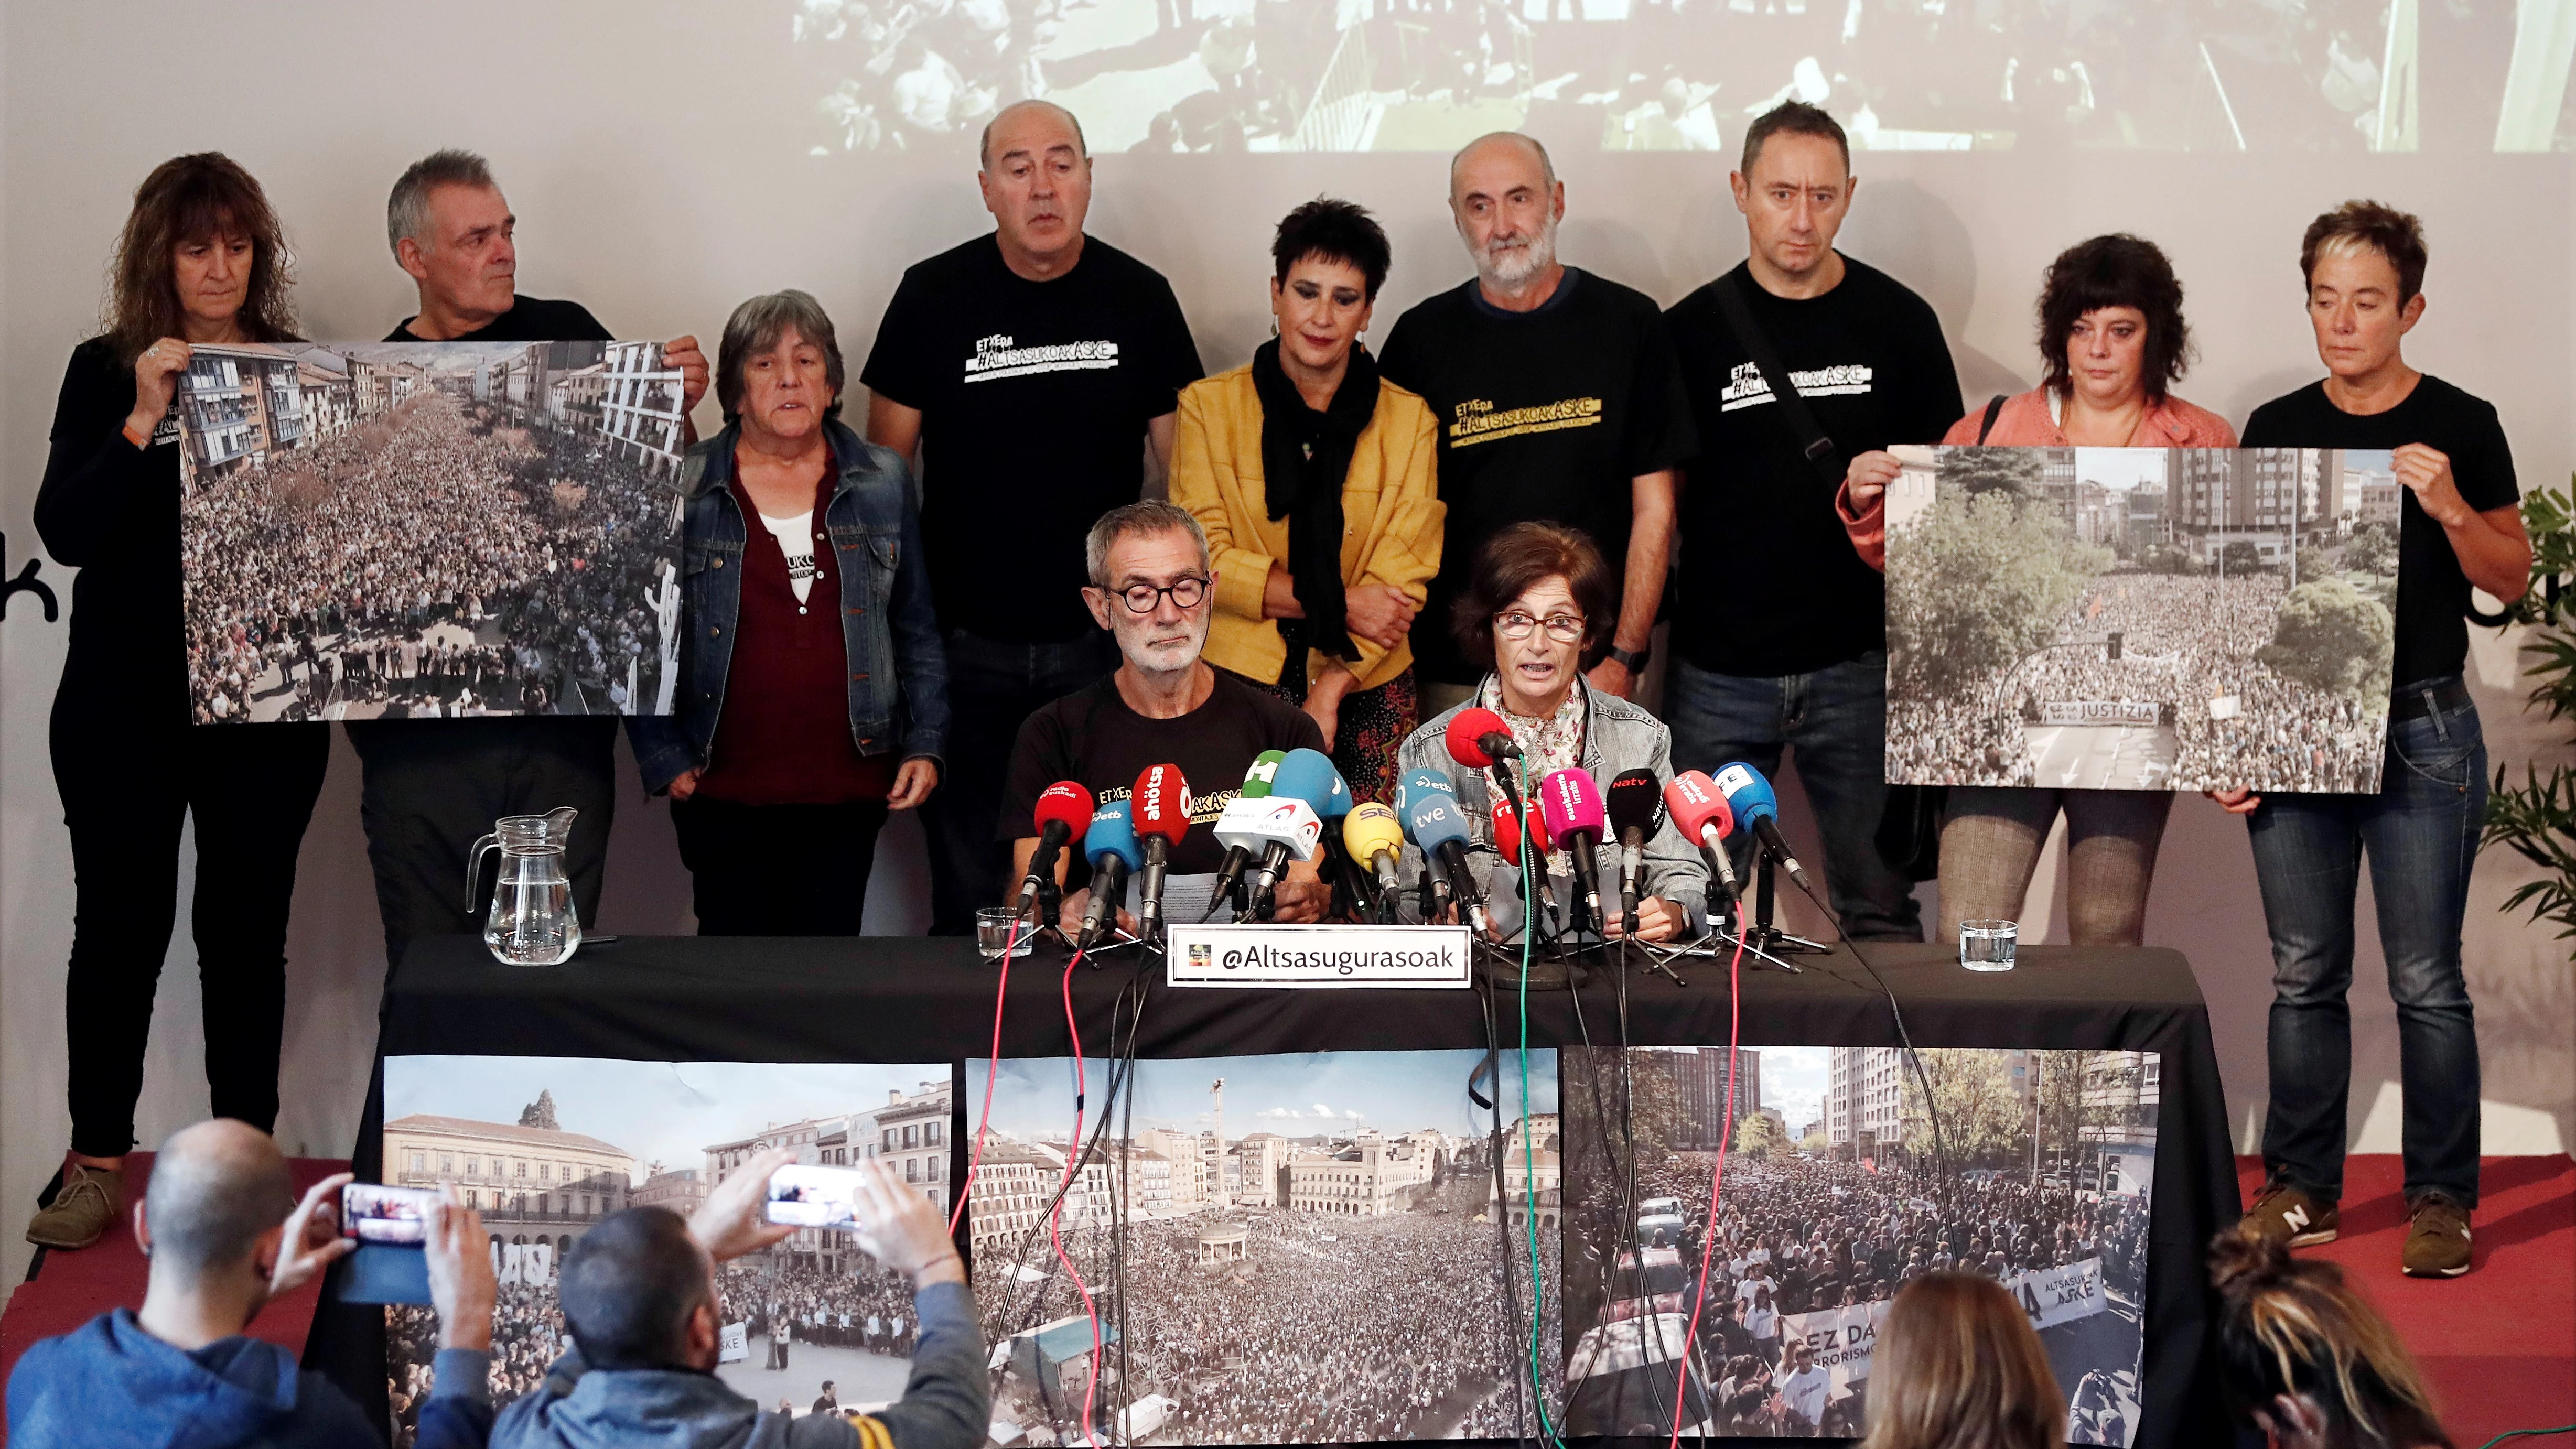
(70, 1289)
(2500, 1343)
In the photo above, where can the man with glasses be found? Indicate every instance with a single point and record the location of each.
(1153, 585)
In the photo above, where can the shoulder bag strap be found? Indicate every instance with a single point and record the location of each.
(1994, 410)
(1812, 441)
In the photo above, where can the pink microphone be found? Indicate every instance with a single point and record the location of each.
(1570, 803)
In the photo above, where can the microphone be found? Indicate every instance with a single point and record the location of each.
(1256, 786)
(1410, 791)
(1110, 845)
(1750, 797)
(1570, 805)
(1372, 833)
(1418, 784)
(1635, 805)
(1478, 737)
(1160, 806)
(1435, 826)
(1333, 809)
(1063, 808)
(1507, 834)
(1304, 778)
(1700, 813)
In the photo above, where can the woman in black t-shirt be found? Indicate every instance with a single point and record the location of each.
(2458, 528)
(202, 263)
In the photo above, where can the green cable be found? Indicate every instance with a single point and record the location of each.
(1529, 1156)
(2521, 1433)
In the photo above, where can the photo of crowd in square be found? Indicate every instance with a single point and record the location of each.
(2041, 1177)
(1330, 1247)
(430, 530)
(2141, 619)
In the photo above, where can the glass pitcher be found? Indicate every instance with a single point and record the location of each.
(532, 922)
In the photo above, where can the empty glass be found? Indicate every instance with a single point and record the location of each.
(1988, 945)
(532, 921)
(993, 925)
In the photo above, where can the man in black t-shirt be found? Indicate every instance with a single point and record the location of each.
(1163, 706)
(1035, 371)
(2458, 528)
(1780, 629)
(431, 787)
(1558, 401)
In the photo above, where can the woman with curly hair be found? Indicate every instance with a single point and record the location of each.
(2112, 342)
(202, 263)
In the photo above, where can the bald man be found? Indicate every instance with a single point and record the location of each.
(225, 1234)
(1031, 375)
(1559, 399)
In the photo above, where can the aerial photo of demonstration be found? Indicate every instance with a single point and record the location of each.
(2034, 1168)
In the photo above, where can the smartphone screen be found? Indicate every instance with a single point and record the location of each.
(395, 1216)
(814, 1197)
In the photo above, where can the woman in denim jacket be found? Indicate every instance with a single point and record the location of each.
(813, 696)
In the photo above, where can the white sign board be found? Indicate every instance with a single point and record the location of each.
(732, 1348)
(1318, 957)
(1839, 1340)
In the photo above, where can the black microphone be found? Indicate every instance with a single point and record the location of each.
(1635, 802)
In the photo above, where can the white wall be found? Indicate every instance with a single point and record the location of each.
(654, 152)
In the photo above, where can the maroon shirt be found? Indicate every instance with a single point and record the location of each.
(784, 737)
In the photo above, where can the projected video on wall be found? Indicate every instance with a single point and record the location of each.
(1686, 75)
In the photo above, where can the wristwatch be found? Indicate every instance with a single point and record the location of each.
(1632, 660)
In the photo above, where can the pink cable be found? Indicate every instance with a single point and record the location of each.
(1055, 1215)
(992, 1069)
(1717, 1182)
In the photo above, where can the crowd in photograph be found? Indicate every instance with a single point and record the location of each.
(870, 1309)
(527, 1335)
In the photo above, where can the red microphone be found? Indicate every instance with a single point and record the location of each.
(1160, 805)
(1478, 737)
(1569, 804)
(1700, 812)
(1507, 833)
(1064, 811)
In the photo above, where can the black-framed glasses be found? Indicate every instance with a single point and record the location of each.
(1187, 592)
(1563, 628)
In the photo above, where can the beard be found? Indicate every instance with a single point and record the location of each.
(1165, 657)
(1507, 262)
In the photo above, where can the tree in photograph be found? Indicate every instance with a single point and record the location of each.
(2240, 558)
(1973, 471)
(1977, 585)
(2330, 637)
(2313, 563)
(2373, 550)
(1756, 1137)
(1981, 1120)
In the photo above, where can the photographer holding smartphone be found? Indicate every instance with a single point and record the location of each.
(639, 1295)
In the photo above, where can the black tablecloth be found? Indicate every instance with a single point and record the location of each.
(910, 999)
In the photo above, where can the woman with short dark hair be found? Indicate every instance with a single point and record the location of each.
(202, 262)
(814, 694)
(2112, 342)
(1314, 481)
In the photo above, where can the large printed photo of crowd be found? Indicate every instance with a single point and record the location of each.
(2141, 619)
(1837, 1194)
(430, 530)
(547, 1147)
(1160, 76)
(1317, 1248)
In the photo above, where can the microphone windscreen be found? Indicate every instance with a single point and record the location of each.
(1747, 793)
(1160, 803)
(1067, 803)
(1696, 805)
(1634, 802)
(1112, 832)
(1467, 730)
(1507, 834)
(1337, 800)
(1570, 802)
(1433, 822)
(1305, 775)
(1419, 784)
(1256, 780)
(1369, 829)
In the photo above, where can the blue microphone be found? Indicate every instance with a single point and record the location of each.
(1435, 825)
(1749, 796)
(1110, 845)
(1415, 787)
(1307, 776)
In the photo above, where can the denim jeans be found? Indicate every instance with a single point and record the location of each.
(2421, 833)
(1836, 718)
(993, 685)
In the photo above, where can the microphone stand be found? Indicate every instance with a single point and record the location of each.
(1760, 938)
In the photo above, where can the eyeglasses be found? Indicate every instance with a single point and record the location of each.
(1145, 598)
(1563, 628)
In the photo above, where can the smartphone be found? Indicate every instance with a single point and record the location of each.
(397, 1217)
(814, 1197)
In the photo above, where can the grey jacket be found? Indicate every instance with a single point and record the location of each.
(947, 1403)
(1618, 737)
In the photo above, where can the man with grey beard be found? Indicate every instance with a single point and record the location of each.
(1559, 398)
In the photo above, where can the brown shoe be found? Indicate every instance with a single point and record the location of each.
(2287, 1214)
(84, 1207)
(2437, 1238)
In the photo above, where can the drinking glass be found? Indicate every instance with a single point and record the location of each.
(993, 925)
(1988, 945)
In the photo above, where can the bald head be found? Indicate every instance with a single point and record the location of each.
(1034, 126)
(1498, 151)
(216, 1187)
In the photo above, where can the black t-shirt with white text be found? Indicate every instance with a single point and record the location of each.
(1092, 736)
(530, 319)
(1545, 414)
(1769, 582)
(1034, 398)
(2432, 591)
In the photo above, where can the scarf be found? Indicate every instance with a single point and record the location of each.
(1305, 456)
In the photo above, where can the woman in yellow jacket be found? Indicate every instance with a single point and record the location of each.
(1314, 480)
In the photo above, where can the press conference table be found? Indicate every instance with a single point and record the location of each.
(913, 999)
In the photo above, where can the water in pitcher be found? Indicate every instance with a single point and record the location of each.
(532, 921)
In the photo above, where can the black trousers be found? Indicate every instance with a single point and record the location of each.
(778, 870)
(432, 787)
(126, 788)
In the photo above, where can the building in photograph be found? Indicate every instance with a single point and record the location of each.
(530, 1183)
(1699, 1082)
(640, 405)
(911, 1134)
(330, 404)
(1014, 1186)
(1367, 1177)
(1538, 1171)
(1257, 1161)
(1864, 1099)
(574, 396)
(838, 1141)
(679, 1190)
(2219, 497)
(247, 403)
